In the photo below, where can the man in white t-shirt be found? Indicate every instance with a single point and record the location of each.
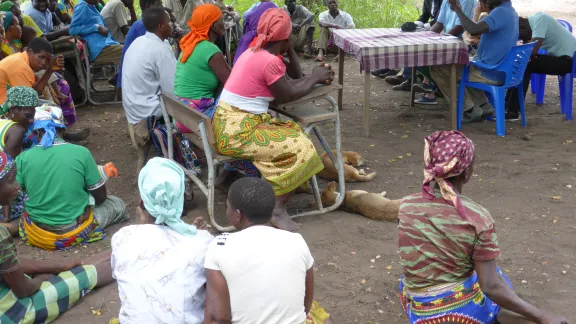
(330, 19)
(259, 275)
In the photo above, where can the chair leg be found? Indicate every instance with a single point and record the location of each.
(562, 88)
(540, 89)
(533, 82)
(499, 107)
(568, 86)
(521, 104)
(460, 105)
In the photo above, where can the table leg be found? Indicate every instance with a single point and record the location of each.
(366, 103)
(340, 78)
(412, 94)
(454, 95)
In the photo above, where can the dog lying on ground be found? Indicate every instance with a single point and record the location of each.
(351, 174)
(370, 205)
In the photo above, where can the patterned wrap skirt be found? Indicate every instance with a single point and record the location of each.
(54, 297)
(281, 152)
(462, 303)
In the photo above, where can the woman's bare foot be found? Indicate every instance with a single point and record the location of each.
(281, 220)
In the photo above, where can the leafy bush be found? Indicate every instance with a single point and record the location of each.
(366, 13)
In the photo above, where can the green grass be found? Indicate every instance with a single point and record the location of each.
(366, 13)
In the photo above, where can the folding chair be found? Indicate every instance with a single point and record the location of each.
(311, 116)
(300, 110)
(202, 137)
(230, 36)
(89, 78)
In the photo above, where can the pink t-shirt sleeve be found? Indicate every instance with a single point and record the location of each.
(274, 70)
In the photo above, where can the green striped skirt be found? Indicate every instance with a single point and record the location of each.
(54, 297)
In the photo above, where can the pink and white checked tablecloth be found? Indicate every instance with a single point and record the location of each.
(389, 48)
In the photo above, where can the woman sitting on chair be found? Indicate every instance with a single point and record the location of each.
(281, 151)
(201, 69)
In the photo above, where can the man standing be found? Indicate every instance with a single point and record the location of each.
(116, 18)
(499, 32)
(149, 68)
(333, 18)
(559, 44)
(89, 24)
(302, 26)
(182, 10)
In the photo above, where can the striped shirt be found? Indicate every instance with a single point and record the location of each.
(437, 245)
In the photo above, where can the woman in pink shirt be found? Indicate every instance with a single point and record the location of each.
(281, 151)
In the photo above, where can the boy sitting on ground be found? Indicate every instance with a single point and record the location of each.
(260, 274)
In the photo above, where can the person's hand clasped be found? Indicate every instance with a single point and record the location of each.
(44, 276)
(68, 265)
(323, 73)
(103, 30)
(57, 63)
(200, 223)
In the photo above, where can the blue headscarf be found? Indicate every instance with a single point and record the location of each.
(8, 18)
(162, 187)
(48, 118)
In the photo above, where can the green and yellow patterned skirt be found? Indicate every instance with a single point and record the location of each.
(281, 151)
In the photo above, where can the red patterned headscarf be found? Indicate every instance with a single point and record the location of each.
(446, 154)
(274, 25)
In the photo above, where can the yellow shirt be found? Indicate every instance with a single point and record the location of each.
(15, 71)
(28, 21)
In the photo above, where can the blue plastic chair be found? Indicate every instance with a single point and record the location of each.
(538, 81)
(513, 66)
(566, 85)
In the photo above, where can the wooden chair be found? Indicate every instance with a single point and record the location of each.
(301, 111)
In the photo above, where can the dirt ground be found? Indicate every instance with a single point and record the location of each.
(516, 178)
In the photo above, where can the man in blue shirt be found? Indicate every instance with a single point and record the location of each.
(89, 24)
(447, 22)
(560, 45)
(42, 16)
(499, 34)
(136, 30)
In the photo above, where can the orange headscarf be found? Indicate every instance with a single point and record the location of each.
(202, 19)
(274, 25)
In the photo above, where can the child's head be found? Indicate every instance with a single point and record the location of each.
(250, 201)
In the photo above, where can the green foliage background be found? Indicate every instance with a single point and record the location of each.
(366, 13)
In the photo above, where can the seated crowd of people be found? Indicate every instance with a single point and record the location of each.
(491, 28)
(53, 194)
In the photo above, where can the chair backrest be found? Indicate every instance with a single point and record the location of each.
(514, 64)
(565, 24)
(187, 116)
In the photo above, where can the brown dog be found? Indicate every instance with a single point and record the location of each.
(351, 174)
(370, 205)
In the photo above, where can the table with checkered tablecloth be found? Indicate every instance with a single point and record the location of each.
(389, 48)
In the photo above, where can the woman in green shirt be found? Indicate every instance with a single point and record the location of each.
(201, 70)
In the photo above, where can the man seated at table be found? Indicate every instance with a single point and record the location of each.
(430, 10)
(499, 32)
(302, 26)
(447, 22)
(116, 18)
(560, 45)
(89, 24)
(333, 18)
(42, 16)
(148, 69)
